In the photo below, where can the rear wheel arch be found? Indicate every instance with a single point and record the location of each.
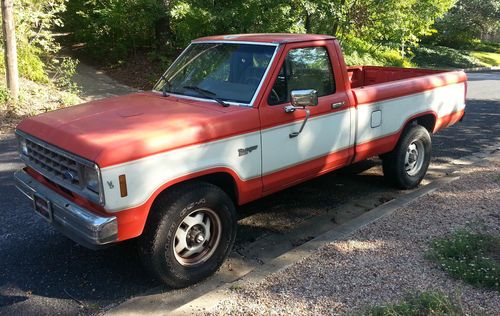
(427, 120)
(407, 164)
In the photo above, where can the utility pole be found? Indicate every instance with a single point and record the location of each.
(9, 35)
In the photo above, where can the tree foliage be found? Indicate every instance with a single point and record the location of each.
(117, 28)
(112, 30)
(36, 21)
(466, 21)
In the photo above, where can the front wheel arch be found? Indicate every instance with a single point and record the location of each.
(157, 243)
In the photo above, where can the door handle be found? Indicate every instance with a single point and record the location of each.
(338, 105)
(291, 109)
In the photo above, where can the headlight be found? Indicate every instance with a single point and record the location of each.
(91, 178)
(23, 147)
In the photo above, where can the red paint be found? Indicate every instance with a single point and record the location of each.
(372, 84)
(387, 143)
(448, 120)
(122, 129)
(278, 38)
(78, 200)
(375, 147)
(291, 176)
(131, 221)
(274, 115)
(126, 128)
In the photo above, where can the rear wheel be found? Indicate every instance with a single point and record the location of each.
(407, 164)
(189, 234)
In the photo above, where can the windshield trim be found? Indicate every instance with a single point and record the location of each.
(252, 101)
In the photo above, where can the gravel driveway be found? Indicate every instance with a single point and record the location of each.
(384, 261)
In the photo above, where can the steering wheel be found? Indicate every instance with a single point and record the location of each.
(275, 95)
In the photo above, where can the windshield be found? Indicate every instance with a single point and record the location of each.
(230, 72)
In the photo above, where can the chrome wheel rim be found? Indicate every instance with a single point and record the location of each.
(197, 237)
(414, 157)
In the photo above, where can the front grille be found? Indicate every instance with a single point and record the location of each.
(53, 165)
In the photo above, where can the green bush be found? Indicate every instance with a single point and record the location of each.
(36, 44)
(443, 57)
(63, 69)
(112, 30)
(359, 52)
(29, 62)
(482, 46)
(469, 257)
(4, 94)
(466, 22)
(422, 304)
(31, 65)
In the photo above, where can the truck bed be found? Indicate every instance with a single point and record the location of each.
(372, 83)
(361, 76)
(388, 97)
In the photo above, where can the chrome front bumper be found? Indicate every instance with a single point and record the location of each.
(84, 227)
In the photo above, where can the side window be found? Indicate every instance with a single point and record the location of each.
(304, 68)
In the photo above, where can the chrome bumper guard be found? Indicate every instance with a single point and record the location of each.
(84, 227)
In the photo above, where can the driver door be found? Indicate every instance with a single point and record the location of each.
(326, 141)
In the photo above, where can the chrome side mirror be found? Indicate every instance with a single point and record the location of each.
(304, 98)
(300, 99)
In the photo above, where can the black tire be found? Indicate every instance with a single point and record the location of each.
(396, 168)
(168, 217)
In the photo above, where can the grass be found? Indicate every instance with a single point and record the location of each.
(421, 304)
(488, 59)
(474, 54)
(473, 258)
(444, 57)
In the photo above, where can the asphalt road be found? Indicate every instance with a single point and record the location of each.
(43, 273)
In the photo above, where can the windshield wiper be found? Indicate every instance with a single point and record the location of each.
(166, 85)
(207, 93)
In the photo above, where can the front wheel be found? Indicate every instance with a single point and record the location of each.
(407, 164)
(190, 232)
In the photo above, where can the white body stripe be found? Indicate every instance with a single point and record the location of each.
(443, 100)
(321, 136)
(146, 175)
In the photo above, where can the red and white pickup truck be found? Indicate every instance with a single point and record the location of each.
(235, 118)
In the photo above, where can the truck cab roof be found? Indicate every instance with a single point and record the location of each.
(274, 38)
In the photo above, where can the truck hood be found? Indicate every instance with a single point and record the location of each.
(125, 128)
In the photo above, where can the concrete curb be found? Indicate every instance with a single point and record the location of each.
(482, 69)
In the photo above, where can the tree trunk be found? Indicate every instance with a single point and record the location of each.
(163, 30)
(308, 23)
(336, 24)
(9, 35)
